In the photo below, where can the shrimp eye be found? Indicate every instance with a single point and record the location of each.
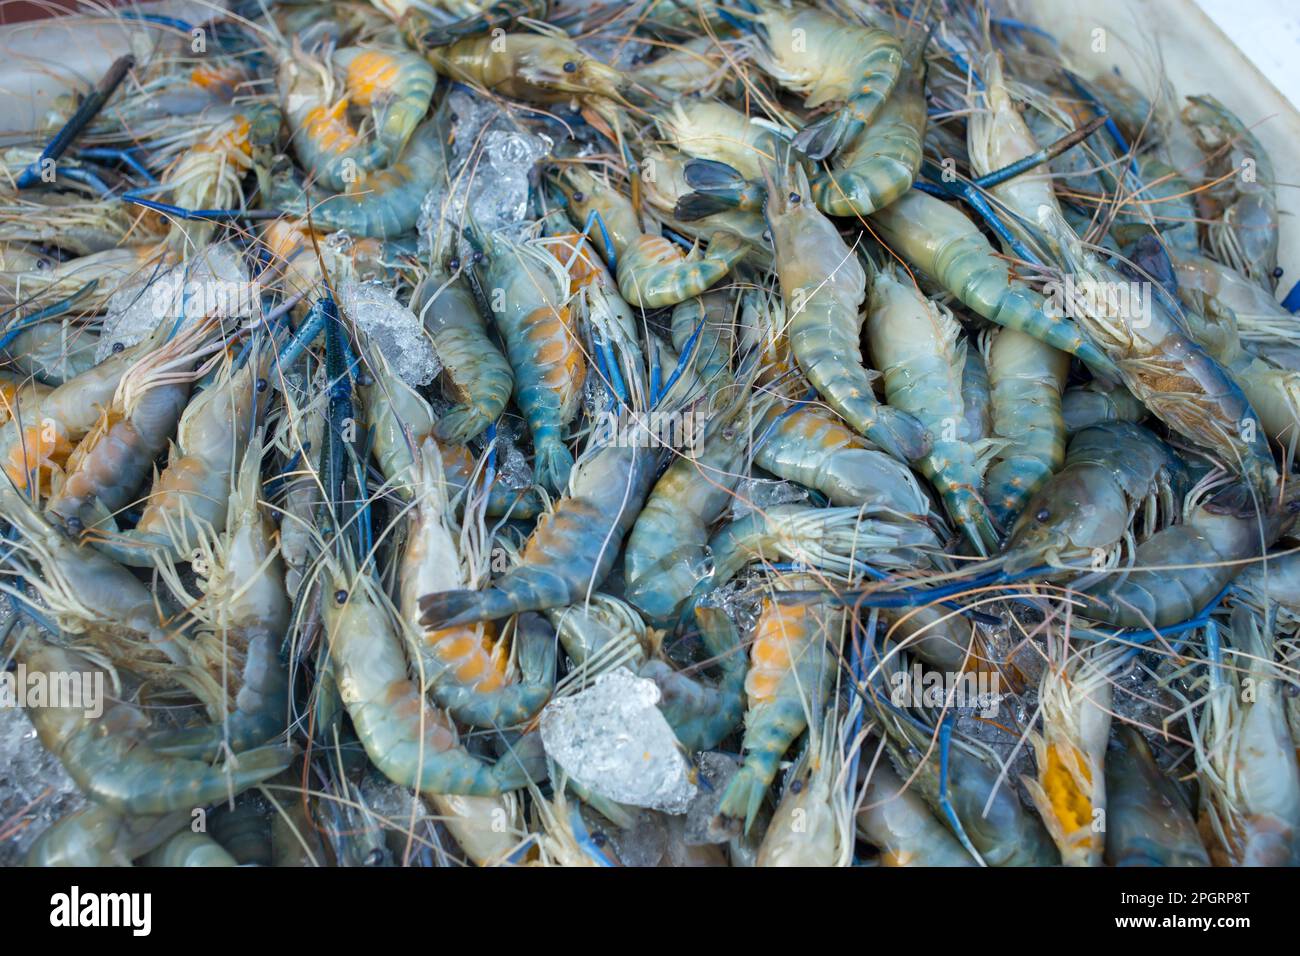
(598, 839)
(453, 265)
(340, 596)
(1042, 514)
(794, 197)
(477, 257)
(1277, 273)
(74, 525)
(117, 347)
(261, 385)
(375, 857)
(796, 787)
(728, 433)
(579, 196)
(571, 66)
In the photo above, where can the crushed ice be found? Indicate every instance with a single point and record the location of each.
(214, 282)
(393, 328)
(612, 739)
(498, 173)
(757, 494)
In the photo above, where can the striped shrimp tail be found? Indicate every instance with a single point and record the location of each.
(552, 466)
(453, 608)
(741, 801)
(818, 140)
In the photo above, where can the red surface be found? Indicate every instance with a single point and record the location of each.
(16, 11)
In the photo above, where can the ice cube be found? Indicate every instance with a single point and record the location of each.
(612, 739)
(214, 281)
(716, 770)
(757, 493)
(393, 328)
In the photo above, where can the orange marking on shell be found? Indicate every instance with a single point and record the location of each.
(42, 452)
(329, 126)
(656, 249)
(216, 79)
(576, 252)
(371, 74)
(479, 659)
(772, 652)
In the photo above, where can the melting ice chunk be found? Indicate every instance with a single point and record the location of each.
(497, 176)
(393, 328)
(612, 739)
(757, 494)
(213, 282)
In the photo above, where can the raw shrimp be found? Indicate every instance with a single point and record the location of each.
(702, 716)
(823, 286)
(235, 663)
(99, 836)
(189, 849)
(939, 240)
(529, 295)
(395, 85)
(828, 61)
(804, 443)
(1149, 822)
(895, 819)
(1244, 228)
(1070, 787)
(993, 824)
(110, 759)
(1110, 472)
(714, 315)
(1192, 562)
(1083, 406)
(792, 670)
(1175, 378)
(572, 549)
(665, 557)
(919, 347)
(382, 204)
(652, 270)
(104, 472)
(1026, 377)
(880, 164)
(324, 138)
(812, 825)
(190, 496)
(1250, 783)
(465, 666)
(529, 67)
(474, 372)
(412, 743)
(835, 540)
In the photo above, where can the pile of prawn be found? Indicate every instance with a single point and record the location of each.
(912, 409)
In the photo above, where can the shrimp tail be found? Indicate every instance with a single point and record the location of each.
(742, 800)
(453, 608)
(461, 423)
(554, 462)
(718, 188)
(819, 139)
